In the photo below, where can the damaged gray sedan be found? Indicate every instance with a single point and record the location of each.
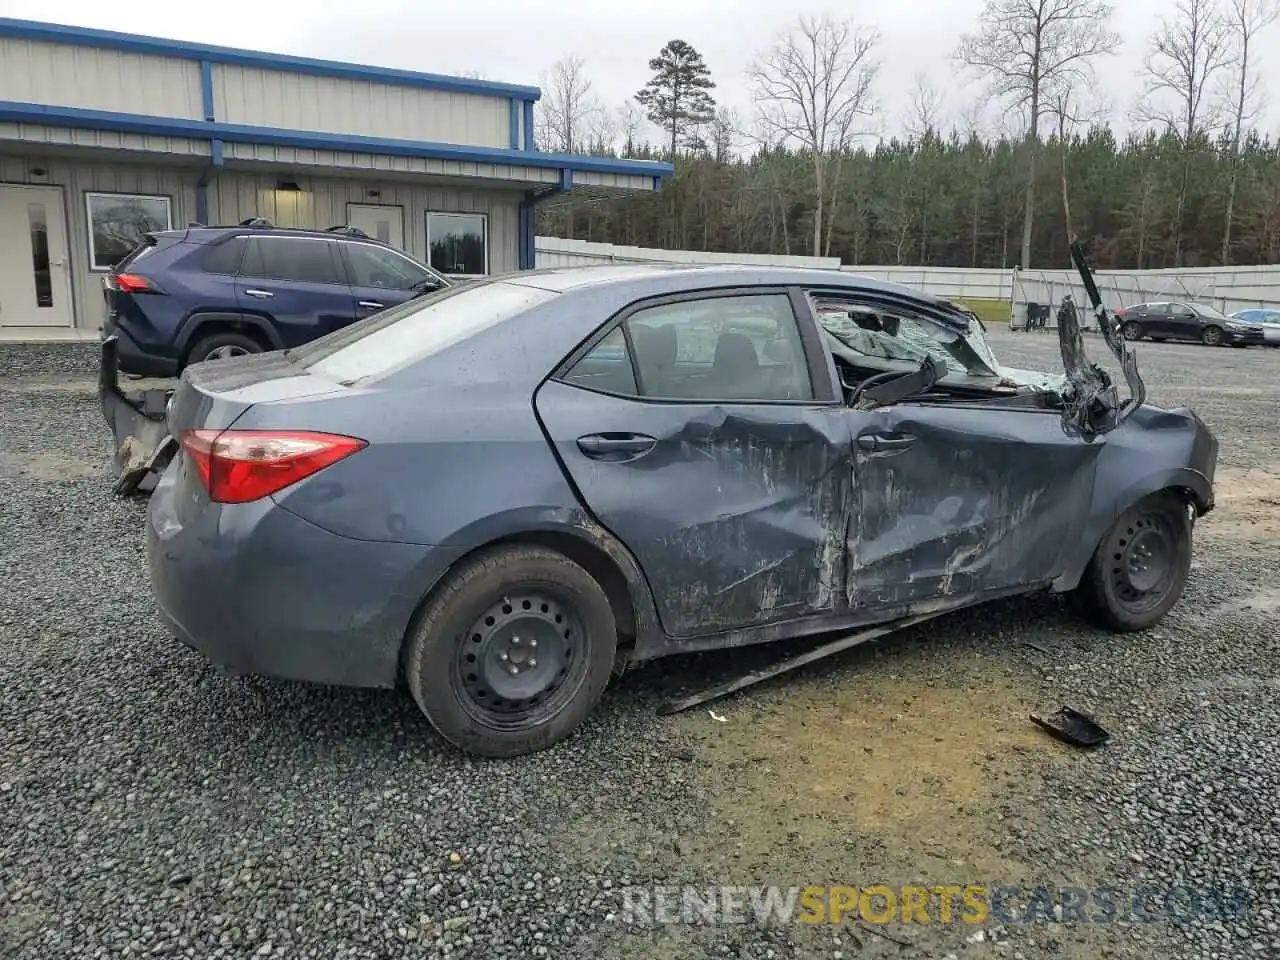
(501, 493)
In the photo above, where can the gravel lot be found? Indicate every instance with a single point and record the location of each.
(149, 805)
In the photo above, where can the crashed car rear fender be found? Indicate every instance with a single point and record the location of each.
(1186, 482)
(579, 537)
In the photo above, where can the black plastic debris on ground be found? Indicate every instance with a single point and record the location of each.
(1073, 727)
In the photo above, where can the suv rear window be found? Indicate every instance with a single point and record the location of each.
(224, 257)
(396, 337)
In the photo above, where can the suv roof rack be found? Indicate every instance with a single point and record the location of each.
(348, 229)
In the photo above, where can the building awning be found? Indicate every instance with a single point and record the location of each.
(235, 144)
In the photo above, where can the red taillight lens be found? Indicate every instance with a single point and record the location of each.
(132, 283)
(238, 466)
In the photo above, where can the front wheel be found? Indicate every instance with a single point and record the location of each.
(1132, 330)
(1211, 336)
(1141, 566)
(513, 652)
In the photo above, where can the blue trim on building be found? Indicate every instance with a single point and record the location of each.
(156, 46)
(215, 152)
(206, 89)
(566, 179)
(527, 252)
(77, 117)
(515, 124)
(528, 126)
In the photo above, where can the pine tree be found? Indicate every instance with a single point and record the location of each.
(676, 98)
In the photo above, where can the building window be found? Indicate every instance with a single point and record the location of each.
(458, 243)
(119, 221)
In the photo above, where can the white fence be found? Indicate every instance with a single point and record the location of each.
(1227, 288)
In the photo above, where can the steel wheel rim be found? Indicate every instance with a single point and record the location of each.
(521, 661)
(227, 352)
(1143, 563)
(1212, 336)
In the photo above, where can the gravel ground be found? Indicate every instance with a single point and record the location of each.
(150, 805)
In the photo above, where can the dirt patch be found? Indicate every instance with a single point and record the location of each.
(1265, 601)
(880, 775)
(46, 466)
(1247, 503)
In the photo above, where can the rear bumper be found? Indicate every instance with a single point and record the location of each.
(133, 358)
(259, 590)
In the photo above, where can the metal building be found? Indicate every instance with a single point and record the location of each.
(104, 136)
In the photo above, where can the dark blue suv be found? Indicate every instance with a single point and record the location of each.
(183, 296)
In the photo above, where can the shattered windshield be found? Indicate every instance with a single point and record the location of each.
(885, 336)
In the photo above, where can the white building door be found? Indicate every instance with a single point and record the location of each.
(381, 221)
(35, 263)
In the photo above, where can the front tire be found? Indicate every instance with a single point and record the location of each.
(1141, 566)
(513, 652)
(1132, 330)
(1211, 336)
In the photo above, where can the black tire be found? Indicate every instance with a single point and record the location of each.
(468, 637)
(1126, 587)
(1132, 330)
(1211, 336)
(227, 343)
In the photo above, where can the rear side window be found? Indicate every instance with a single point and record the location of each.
(394, 338)
(291, 258)
(224, 258)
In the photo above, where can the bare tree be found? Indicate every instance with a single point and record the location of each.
(1187, 52)
(631, 122)
(1245, 19)
(723, 135)
(569, 114)
(925, 107)
(1071, 109)
(811, 87)
(1031, 51)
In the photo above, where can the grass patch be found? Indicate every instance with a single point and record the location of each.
(991, 311)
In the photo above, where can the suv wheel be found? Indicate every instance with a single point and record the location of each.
(223, 346)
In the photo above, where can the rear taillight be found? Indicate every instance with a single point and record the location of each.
(238, 466)
(134, 283)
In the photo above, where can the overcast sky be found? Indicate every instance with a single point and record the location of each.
(517, 42)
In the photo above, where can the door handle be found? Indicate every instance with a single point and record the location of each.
(884, 442)
(260, 294)
(371, 304)
(616, 446)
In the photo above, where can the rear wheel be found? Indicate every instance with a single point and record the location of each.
(1132, 330)
(1211, 336)
(223, 346)
(1140, 568)
(513, 652)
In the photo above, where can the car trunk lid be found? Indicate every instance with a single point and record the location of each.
(214, 394)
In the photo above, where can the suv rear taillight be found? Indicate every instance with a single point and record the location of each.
(238, 466)
(133, 283)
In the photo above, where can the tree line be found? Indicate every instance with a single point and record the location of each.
(1194, 184)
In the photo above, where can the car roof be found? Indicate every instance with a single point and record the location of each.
(680, 277)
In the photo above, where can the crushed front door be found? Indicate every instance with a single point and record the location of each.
(955, 499)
